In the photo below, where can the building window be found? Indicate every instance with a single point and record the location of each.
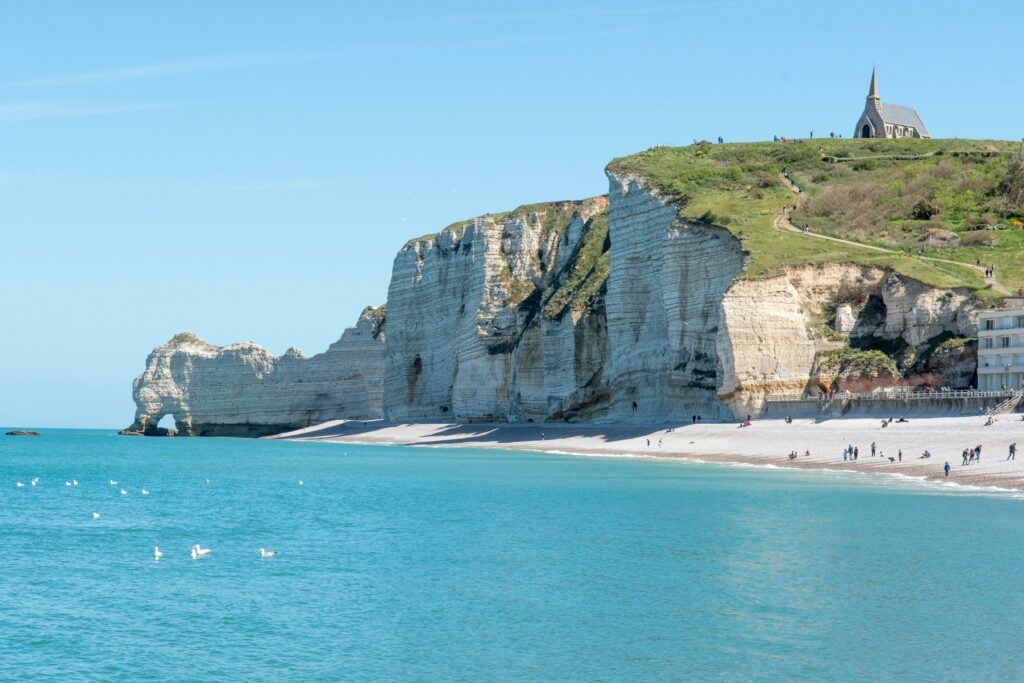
(1005, 342)
(989, 325)
(988, 343)
(1020, 322)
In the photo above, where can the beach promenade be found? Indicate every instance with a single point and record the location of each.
(765, 442)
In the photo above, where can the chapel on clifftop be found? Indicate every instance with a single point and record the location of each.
(884, 120)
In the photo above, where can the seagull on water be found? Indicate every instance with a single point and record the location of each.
(145, 492)
(199, 551)
(20, 484)
(74, 482)
(95, 515)
(123, 492)
(267, 553)
(67, 483)
(157, 553)
(35, 480)
(113, 483)
(301, 482)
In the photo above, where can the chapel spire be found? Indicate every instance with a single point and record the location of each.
(873, 91)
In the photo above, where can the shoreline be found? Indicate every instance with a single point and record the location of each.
(764, 443)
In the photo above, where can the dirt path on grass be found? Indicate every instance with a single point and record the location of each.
(782, 222)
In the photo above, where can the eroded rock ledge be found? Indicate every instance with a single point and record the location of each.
(243, 390)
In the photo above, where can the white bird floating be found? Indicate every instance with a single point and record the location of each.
(267, 553)
(123, 492)
(67, 483)
(74, 482)
(20, 484)
(301, 482)
(157, 553)
(199, 551)
(35, 480)
(113, 483)
(145, 492)
(95, 515)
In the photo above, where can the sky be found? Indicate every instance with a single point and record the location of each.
(248, 170)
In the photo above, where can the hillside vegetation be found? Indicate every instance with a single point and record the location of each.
(960, 201)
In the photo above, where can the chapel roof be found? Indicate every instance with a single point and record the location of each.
(903, 116)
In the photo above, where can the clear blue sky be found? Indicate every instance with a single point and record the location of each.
(247, 170)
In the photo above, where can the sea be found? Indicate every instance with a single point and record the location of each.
(463, 564)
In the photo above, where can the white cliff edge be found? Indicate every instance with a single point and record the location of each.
(243, 390)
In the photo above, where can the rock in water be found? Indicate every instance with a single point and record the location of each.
(22, 432)
(243, 390)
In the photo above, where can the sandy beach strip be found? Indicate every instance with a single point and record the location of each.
(765, 442)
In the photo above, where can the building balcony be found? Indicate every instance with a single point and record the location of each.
(997, 369)
(1001, 331)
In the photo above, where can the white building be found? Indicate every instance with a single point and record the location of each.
(1001, 347)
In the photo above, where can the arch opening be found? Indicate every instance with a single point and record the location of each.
(865, 132)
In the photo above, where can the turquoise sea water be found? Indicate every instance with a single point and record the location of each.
(405, 564)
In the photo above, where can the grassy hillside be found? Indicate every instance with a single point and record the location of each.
(956, 200)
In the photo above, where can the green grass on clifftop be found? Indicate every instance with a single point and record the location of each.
(957, 200)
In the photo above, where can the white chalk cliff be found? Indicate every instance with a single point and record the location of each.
(243, 390)
(689, 336)
(609, 308)
(481, 331)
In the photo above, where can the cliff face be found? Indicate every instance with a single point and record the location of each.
(688, 336)
(678, 294)
(243, 390)
(477, 327)
(776, 331)
(668, 278)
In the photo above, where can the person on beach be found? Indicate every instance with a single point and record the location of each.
(900, 455)
(648, 443)
(1012, 455)
(856, 452)
(965, 457)
(977, 454)
(946, 468)
(634, 407)
(845, 454)
(542, 436)
(659, 443)
(872, 449)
